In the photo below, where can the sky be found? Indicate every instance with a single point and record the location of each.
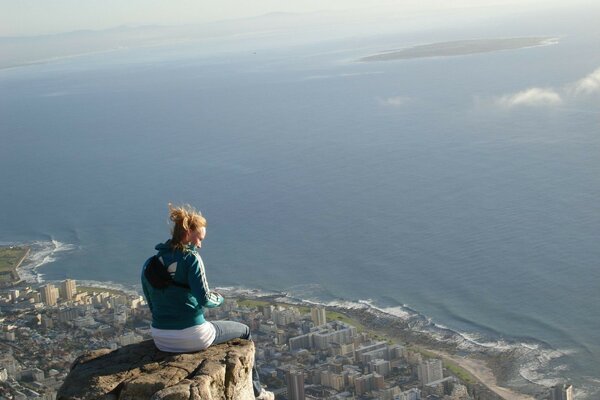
(40, 17)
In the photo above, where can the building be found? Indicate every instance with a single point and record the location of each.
(318, 316)
(67, 314)
(323, 337)
(369, 352)
(459, 392)
(333, 332)
(387, 393)
(68, 289)
(9, 363)
(285, 316)
(334, 380)
(32, 375)
(344, 350)
(84, 321)
(301, 342)
(382, 367)
(561, 392)
(440, 387)
(295, 385)
(267, 311)
(411, 394)
(49, 294)
(430, 371)
(397, 351)
(13, 294)
(368, 383)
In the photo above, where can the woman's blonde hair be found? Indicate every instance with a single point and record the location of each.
(185, 218)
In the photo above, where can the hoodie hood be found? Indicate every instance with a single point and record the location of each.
(164, 247)
(167, 247)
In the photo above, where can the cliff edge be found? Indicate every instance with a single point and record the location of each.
(141, 371)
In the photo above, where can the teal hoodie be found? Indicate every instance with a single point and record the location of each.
(175, 307)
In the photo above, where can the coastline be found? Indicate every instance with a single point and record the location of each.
(12, 270)
(484, 371)
(480, 371)
(494, 370)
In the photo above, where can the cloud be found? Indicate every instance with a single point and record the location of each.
(396, 101)
(549, 97)
(533, 97)
(588, 85)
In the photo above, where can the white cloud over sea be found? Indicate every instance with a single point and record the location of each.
(588, 85)
(551, 97)
(533, 97)
(394, 101)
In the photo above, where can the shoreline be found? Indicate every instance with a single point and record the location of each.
(460, 48)
(13, 270)
(485, 371)
(484, 374)
(495, 370)
(486, 368)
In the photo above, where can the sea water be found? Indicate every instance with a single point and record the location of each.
(411, 186)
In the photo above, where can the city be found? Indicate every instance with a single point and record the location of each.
(301, 352)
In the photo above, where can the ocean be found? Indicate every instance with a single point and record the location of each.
(463, 189)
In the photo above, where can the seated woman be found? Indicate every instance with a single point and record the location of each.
(178, 324)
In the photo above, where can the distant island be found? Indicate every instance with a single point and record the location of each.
(11, 258)
(460, 48)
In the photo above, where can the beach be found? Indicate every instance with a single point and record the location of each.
(480, 371)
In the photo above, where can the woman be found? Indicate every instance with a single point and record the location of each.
(178, 324)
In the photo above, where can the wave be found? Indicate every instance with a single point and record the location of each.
(41, 253)
(536, 362)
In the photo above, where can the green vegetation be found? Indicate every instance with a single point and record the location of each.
(459, 372)
(10, 258)
(337, 316)
(451, 366)
(252, 303)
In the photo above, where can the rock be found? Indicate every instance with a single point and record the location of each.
(141, 371)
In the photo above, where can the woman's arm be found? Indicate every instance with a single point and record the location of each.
(199, 285)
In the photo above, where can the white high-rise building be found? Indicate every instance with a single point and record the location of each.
(68, 289)
(322, 337)
(562, 392)
(318, 316)
(430, 371)
(49, 294)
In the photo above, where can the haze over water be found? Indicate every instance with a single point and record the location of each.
(465, 188)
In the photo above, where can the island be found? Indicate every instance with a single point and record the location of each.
(460, 48)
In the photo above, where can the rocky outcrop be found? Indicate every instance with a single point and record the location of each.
(141, 371)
